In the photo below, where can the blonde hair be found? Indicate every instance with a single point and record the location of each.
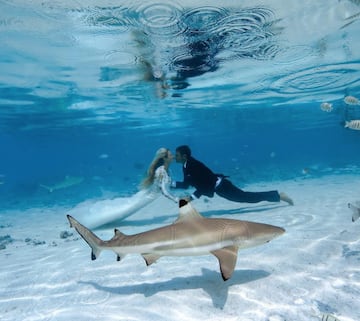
(158, 160)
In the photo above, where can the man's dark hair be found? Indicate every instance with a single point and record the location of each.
(184, 150)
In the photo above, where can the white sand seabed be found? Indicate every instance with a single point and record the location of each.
(311, 270)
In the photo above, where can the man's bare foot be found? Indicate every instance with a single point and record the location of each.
(285, 198)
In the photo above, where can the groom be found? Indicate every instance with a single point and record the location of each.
(207, 183)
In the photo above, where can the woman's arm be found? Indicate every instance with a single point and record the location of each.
(163, 180)
(166, 193)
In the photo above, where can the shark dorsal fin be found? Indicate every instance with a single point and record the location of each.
(118, 234)
(187, 212)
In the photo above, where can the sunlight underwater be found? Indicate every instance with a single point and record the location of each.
(84, 86)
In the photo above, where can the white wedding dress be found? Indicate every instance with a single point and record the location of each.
(107, 211)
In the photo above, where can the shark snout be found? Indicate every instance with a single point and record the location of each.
(276, 231)
(280, 231)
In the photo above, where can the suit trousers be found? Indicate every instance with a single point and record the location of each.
(228, 190)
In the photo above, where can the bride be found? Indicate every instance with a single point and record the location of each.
(156, 183)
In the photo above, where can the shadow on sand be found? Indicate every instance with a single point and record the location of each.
(242, 210)
(210, 281)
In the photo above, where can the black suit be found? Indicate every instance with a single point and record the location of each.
(198, 175)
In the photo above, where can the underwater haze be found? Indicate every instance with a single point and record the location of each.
(265, 92)
(90, 90)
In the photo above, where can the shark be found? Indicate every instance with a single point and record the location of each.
(355, 209)
(65, 183)
(190, 235)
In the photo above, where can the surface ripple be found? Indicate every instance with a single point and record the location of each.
(109, 17)
(204, 19)
(316, 79)
(160, 18)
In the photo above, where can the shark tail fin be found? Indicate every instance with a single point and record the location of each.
(90, 238)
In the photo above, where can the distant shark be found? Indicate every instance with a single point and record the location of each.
(67, 182)
(190, 235)
(356, 210)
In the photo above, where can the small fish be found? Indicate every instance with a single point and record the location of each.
(351, 100)
(329, 317)
(327, 107)
(353, 124)
(356, 210)
(305, 171)
(67, 182)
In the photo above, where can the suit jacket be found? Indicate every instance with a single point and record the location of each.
(198, 175)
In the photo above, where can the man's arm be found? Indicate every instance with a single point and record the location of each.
(183, 185)
(202, 178)
(195, 195)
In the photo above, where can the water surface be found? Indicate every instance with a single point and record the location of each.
(92, 89)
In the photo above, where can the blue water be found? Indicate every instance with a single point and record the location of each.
(94, 90)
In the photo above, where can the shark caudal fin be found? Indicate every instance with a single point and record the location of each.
(94, 242)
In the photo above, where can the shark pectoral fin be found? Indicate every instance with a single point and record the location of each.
(227, 257)
(150, 258)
